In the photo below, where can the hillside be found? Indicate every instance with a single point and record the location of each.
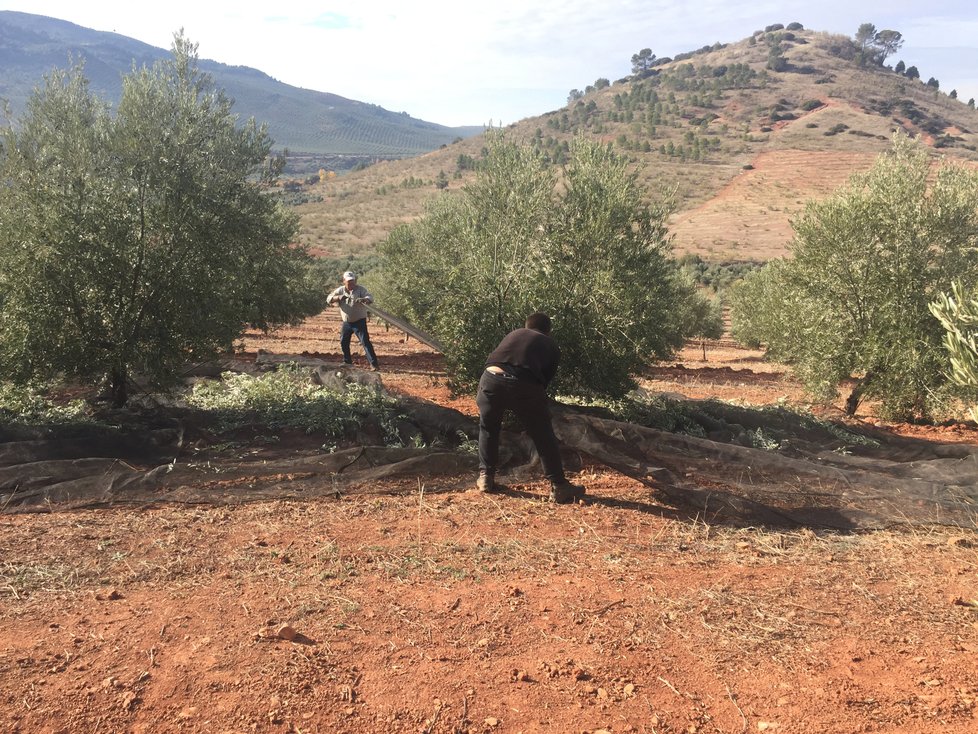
(743, 146)
(301, 120)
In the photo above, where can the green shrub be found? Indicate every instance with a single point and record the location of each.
(288, 398)
(136, 238)
(29, 405)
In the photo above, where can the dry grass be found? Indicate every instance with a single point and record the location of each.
(427, 538)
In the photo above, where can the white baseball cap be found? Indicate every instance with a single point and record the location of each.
(349, 275)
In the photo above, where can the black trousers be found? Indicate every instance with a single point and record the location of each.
(528, 400)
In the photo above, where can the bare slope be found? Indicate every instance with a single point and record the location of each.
(749, 218)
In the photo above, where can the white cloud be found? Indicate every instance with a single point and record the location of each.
(468, 63)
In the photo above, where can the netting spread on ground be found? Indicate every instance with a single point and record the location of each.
(911, 482)
(808, 475)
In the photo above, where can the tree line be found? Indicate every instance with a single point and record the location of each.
(136, 242)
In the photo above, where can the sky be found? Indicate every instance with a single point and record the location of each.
(460, 62)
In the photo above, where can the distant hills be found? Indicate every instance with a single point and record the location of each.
(744, 133)
(306, 122)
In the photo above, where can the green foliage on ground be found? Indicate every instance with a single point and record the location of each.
(853, 298)
(287, 397)
(136, 241)
(650, 410)
(586, 251)
(771, 427)
(31, 405)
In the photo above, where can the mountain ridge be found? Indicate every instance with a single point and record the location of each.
(304, 121)
(744, 133)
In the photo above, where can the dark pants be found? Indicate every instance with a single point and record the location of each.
(359, 328)
(528, 400)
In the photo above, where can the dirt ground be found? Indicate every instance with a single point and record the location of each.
(444, 610)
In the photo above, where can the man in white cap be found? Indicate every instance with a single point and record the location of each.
(352, 300)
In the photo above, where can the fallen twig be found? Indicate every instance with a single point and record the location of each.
(605, 608)
(733, 700)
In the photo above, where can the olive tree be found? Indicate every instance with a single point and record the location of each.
(134, 241)
(578, 243)
(852, 299)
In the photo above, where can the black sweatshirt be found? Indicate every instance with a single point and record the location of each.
(527, 354)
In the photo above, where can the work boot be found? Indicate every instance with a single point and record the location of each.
(564, 493)
(486, 482)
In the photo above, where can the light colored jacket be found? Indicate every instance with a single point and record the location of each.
(351, 302)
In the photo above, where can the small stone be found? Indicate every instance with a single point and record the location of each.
(286, 632)
(602, 694)
(767, 726)
(629, 689)
(491, 721)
